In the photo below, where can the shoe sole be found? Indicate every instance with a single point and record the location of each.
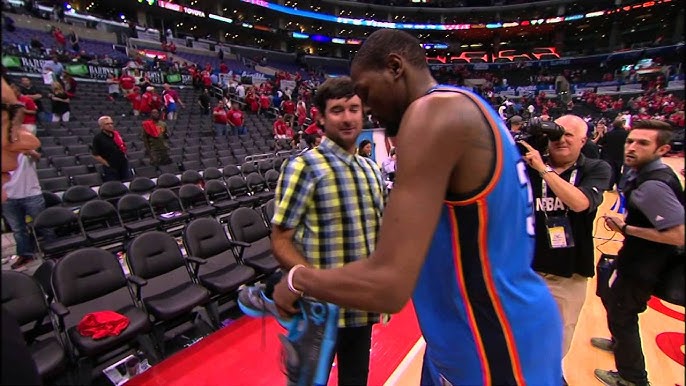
(313, 340)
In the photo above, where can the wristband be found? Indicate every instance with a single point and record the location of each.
(290, 280)
(624, 229)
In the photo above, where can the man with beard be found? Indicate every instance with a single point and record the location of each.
(457, 234)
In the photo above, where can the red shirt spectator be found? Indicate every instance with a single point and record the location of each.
(29, 104)
(314, 129)
(314, 113)
(288, 107)
(281, 129)
(126, 82)
(220, 116)
(251, 100)
(236, 117)
(264, 101)
(223, 68)
(136, 99)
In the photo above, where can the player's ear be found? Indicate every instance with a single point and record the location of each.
(394, 64)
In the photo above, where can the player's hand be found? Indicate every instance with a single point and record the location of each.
(533, 157)
(285, 299)
(614, 223)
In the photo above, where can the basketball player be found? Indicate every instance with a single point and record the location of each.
(457, 234)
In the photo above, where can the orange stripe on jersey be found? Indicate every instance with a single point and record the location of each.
(485, 370)
(498, 154)
(492, 292)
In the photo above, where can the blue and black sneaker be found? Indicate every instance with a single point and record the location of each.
(310, 344)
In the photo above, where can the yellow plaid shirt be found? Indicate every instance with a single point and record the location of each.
(334, 200)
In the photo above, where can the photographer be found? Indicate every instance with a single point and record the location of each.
(568, 188)
(653, 230)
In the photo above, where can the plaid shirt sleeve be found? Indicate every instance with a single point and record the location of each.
(294, 192)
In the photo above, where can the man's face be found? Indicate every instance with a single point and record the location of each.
(342, 120)
(155, 114)
(15, 140)
(376, 91)
(641, 148)
(26, 82)
(569, 146)
(107, 124)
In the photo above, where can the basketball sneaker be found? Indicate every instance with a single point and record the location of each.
(310, 342)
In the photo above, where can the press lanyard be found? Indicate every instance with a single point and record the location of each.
(544, 189)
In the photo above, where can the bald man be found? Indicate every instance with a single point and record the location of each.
(568, 189)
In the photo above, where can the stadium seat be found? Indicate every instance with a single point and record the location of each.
(251, 236)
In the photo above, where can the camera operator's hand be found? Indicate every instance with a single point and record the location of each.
(533, 157)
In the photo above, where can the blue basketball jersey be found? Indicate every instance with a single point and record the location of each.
(486, 316)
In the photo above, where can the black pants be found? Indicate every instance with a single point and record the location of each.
(123, 173)
(352, 350)
(623, 302)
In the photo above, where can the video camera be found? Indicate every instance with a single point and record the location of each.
(537, 133)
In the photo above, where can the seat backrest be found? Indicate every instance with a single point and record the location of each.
(51, 199)
(205, 237)
(98, 214)
(78, 194)
(141, 185)
(265, 165)
(237, 186)
(247, 168)
(43, 274)
(86, 274)
(255, 182)
(247, 225)
(168, 180)
(191, 177)
(90, 179)
(192, 195)
(133, 207)
(211, 173)
(268, 210)
(23, 297)
(230, 171)
(113, 189)
(153, 254)
(62, 221)
(164, 200)
(216, 190)
(272, 178)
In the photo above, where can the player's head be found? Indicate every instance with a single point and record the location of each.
(340, 111)
(648, 140)
(386, 70)
(15, 140)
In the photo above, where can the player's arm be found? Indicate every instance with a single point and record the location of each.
(294, 191)
(384, 282)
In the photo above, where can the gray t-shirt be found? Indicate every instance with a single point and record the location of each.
(657, 202)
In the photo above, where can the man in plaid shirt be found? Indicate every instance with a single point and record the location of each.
(329, 203)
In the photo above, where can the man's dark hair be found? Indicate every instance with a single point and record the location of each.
(383, 42)
(664, 129)
(333, 88)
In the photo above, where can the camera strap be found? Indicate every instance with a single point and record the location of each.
(559, 228)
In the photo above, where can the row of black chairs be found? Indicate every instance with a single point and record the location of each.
(58, 230)
(164, 290)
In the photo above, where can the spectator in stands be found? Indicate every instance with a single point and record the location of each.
(288, 110)
(265, 104)
(252, 101)
(204, 102)
(112, 87)
(169, 105)
(175, 94)
(365, 148)
(74, 41)
(110, 150)
(61, 104)
(53, 65)
(301, 113)
(155, 139)
(388, 168)
(30, 110)
(600, 130)
(220, 119)
(28, 90)
(516, 124)
(315, 128)
(69, 85)
(612, 150)
(236, 119)
(24, 203)
(36, 44)
(240, 91)
(281, 129)
(15, 141)
(60, 40)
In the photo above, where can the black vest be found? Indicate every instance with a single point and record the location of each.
(639, 258)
